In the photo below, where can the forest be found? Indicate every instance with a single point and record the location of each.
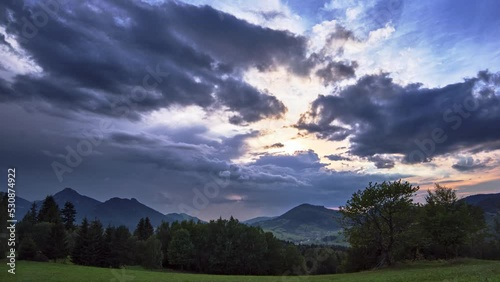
(382, 223)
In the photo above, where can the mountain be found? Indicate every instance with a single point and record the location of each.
(258, 219)
(306, 224)
(128, 212)
(115, 211)
(84, 205)
(490, 203)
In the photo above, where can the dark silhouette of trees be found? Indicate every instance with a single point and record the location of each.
(68, 214)
(80, 254)
(144, 229)
(181, 249)
(56, 246)
(49, 211)
(28, 249)
(164, 234)
(382, 225)
(378, 217)
(449, 223)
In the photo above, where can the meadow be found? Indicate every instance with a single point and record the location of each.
(458, 270)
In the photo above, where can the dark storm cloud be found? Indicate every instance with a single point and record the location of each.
(334, 157)
(471, 164)
(300, 160)
(381, 162)
(97, 54)
(337, 71)
(251, 104)
(381, 117)
(162, 166)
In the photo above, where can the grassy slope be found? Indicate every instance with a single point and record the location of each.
(468, 270)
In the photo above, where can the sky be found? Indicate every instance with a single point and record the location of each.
(248, 108)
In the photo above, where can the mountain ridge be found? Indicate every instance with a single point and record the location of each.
(114, 211)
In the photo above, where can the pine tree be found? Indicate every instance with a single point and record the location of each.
(68, 215)
(121, 247)
(80, 253)
(56, 246)
(49, 212)
(107, 250)
(96, 243)
(148, 229)
(163, 233)
(31, 216)
(139, 230)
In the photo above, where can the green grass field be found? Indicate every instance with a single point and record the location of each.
(464, 270)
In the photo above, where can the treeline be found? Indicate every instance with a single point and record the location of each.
(218, 247)
(384, 225)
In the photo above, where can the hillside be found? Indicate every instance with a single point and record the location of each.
(306, 224)
(490, 203)
(258, 219)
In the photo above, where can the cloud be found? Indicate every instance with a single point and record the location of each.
(334, 157)
(300, 160)
(275, 145)
(381, 162)
(379, 116)
(471, 164)
(337, 71)
(103, 56)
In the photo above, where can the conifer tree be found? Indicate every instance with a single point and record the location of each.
(49, 212)
(80, 253)
(56, 246)
(68, 214)
(148, 229)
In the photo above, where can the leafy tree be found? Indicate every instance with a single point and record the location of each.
(180, 249)
(448, 222)
(274, 255)
(377, 218)
(154, 255)
(49, 212)
(294, 263)
(28, 249)
(68, 215)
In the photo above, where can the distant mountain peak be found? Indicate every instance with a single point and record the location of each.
(306, 205)
(304, 223)
(68, 191)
